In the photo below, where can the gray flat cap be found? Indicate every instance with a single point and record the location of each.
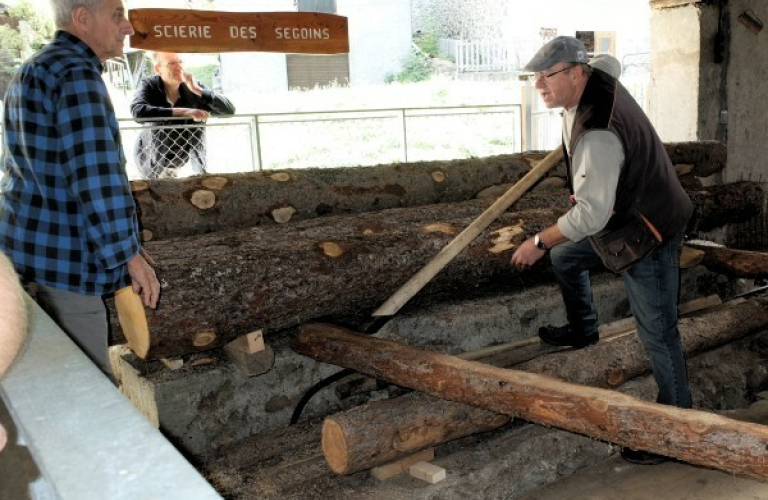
(560, 49)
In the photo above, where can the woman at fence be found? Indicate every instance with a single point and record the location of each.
(167, 145)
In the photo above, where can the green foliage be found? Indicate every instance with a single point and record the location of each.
(416, 68)
(203, 73)
(427, 40)
(27, 32)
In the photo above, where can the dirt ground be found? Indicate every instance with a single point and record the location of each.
(502, 464)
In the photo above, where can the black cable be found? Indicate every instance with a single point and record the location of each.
(371, 326)
(315, 389)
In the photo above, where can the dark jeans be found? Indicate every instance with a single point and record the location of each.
(652, 286)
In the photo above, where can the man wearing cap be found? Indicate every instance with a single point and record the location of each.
(628, 213)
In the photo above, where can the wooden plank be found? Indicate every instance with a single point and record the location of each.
(428, 472)
(182, 30)
(392, 469)
(253, 364)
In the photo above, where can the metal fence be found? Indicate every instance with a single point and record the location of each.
(270, 141)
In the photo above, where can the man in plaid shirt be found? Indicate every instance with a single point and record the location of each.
(67, 217)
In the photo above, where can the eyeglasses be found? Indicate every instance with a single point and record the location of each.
(539, 75)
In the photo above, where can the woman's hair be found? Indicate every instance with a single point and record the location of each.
(62, 9)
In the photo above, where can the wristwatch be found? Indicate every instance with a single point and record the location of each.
(539, 244)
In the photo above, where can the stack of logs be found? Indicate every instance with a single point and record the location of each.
(268, 251)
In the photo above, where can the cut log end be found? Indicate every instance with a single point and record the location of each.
(138, 186)
(332, 249)
(146, 235)
(203, 199)
(283, 214)
(690, 257)
(203, 339)
(280, 177)
(438, 176)
(440, 228)
(334, 445)
(215, 183)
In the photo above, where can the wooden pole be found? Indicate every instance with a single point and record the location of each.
(452, 249)
(693, 436)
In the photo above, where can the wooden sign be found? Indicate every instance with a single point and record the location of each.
(178, 30)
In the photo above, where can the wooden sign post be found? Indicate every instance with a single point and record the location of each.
(178, 30)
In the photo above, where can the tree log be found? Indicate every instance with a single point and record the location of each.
(359, 438)
(199, 205)
(735, 263)
(706, 157)
(719, 205)
(693, 436)
(219, 286)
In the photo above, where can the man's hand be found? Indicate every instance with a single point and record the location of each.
(527, 254)
(143, 278)
(192, 84)
(199, 115)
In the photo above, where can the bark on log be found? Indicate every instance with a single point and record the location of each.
(197, 205)
(693, 436)
(362, 440)
(168, 207)
(707, 157)
(380, 442)
(218, 287)
(719, 205)
(735, 263)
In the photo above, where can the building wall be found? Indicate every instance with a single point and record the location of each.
(675, 55)
(254, 71)
(695, 97)
(747, 94)
(379, 37)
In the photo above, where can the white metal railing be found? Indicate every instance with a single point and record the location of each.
(484, 55)
(268, 141)
(490, 56)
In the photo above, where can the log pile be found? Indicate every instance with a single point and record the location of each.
(220, 286)
(198, 205)
(360, 438)
(693, 436)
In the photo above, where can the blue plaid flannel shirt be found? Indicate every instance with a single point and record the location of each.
(67, 217)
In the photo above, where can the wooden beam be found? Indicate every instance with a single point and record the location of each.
(693, 436)
(392, 469)
(186, 30)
